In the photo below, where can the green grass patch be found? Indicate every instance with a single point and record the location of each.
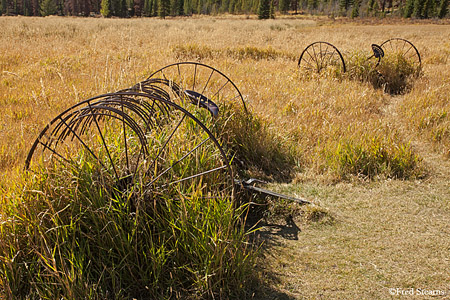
(256, 147)
(371, 155)
(395, 74)
(68, 235)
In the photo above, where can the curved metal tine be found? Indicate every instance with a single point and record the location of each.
(117, 114)
(106, 111)
(151, 106)
(152, 88)
(130, 104)
(130, 122)
(210, 91)
(45, 134)
(124, 129)
(65, 131)
(69, 128)
(60, 139)
(149, 87)
(104, 145)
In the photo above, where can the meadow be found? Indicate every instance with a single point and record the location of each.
(374, 164)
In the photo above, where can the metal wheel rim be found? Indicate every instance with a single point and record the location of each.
(203, 79)
(318, 55)
(85, 127)
(403, 47)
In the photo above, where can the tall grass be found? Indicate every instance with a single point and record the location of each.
(257, 149)
(202, 52)
(394, 75)
(66, 234)
(372, 154)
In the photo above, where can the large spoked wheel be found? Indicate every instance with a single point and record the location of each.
(200, 83)
(136, 141)
(402, 48)
(319, 56)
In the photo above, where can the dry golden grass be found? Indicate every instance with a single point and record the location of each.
(386, 234)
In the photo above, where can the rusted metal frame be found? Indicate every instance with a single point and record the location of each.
(196, 65)
(248, 185)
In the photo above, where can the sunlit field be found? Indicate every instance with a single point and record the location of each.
(374, 163)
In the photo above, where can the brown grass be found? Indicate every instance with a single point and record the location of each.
(391, 233)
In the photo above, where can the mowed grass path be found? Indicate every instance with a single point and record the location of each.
(375, 234)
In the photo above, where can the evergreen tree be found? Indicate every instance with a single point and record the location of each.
(104, 10)
(370, 5)
(187, 8)
(313, 4)
(224, 6)
(355, 10)
(264, 9)
(283, 6)
(176, 7)
(48, 7)
(443, 9)
(272, 10)
(343, 6)
(163, 8)
(427, 8)
(147, 8)
(232, 6)
(418, 8)
(409, 8)
(154, 11)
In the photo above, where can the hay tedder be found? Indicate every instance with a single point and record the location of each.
(318, 56)
(161, 137)
(151, 136)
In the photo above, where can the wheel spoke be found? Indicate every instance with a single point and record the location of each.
(218, 91)
(195, 75)
(54, 152)
(175, 163)
(207, 81)
(81, 141)
(165, 144)
(197, 175)
(125, 139)
(104, 142)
